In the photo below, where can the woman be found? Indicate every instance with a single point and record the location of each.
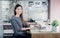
(18, 23)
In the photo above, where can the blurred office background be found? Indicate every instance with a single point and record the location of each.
(37, 10)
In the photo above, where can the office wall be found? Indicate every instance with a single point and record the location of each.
(55, 10)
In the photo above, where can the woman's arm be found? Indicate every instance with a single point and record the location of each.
(16, 26)
(25, 28)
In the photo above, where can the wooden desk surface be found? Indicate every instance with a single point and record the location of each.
(46, 35)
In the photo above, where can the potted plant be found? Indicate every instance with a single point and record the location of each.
(54, 25)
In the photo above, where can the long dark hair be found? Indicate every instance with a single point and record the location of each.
(21, 16)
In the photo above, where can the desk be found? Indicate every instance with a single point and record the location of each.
(46, 35)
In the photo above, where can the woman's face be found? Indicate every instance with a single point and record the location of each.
(19, 10)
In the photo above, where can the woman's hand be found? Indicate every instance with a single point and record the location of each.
(25, 28)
